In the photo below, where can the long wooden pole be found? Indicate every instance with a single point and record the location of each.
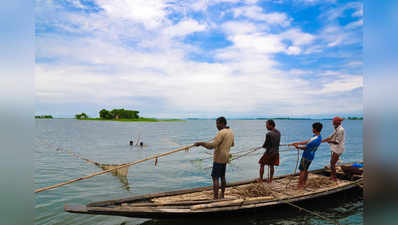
(106, 171)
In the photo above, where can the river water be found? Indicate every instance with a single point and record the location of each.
(108, 142)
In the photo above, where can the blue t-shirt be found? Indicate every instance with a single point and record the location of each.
(311, 147)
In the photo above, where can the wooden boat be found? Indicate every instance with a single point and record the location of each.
(240, 197)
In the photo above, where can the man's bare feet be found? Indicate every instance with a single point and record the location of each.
(259, 180)
(269, 181)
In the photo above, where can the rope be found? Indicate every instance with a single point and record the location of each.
(306, 210)
(311, 212)
(248, 152)
(295, 169)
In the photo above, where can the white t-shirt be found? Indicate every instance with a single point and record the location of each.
(337, 136)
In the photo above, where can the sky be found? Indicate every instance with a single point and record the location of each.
(199, 58)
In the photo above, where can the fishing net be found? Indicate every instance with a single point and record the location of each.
(117, 172)
(122, 172)
(318, 182)
(251, 190)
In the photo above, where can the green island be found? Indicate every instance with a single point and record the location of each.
(355, 118)
(43, 117)
(122, 115)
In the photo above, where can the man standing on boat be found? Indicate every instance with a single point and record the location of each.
(310, 146)
(271, 155)
(221, 145)
(336, 142)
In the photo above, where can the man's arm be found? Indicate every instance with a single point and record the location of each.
(266, 141)
(300, 147)
(328, 139)
(299, 143)
(210, 145)
(296, 144)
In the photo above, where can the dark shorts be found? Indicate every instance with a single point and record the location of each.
(218, 170)
(270, 159)
(304, 164)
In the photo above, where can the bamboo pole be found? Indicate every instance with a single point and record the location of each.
(109, 170)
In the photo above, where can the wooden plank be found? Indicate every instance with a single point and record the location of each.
(150, 204)
(218, 204)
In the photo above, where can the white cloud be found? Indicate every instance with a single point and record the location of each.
(259, 43)
(199, 5)
(359, 10)
(335, 35)
(330, 73)
(316, 1)
(77, 4)
(337, 12)
(293, 50)
(256, 13)
(184, 27)
(151, 13)
(344, 83)
(354, 24)
(296, 72)
(355, 63)
(240, 27)
(298, 37)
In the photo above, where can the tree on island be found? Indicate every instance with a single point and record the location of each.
(81, 116)
(44, 117)
(118, 114)
(105, 114)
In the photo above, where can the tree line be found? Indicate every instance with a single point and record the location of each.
(113, 114)
(118, 114)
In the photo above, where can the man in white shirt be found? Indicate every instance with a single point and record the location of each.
(336, 142)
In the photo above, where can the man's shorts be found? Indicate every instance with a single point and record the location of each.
(304, 164)
(270, 159)
(218, 170)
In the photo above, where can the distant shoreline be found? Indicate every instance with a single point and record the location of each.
(136, 120)
(272, 119)
(180, 120)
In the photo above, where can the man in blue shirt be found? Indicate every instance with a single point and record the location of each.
(310, 146)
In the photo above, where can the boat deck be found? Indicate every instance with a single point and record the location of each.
(243, 194)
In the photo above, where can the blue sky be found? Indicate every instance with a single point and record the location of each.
(202, 58)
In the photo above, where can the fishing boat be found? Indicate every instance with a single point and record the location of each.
(240, 197)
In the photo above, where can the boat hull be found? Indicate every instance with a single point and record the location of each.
(143, 207)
